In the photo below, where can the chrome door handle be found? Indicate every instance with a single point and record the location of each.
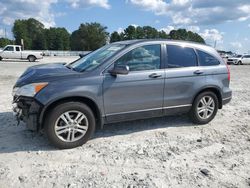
(198, 72)
(154, 75)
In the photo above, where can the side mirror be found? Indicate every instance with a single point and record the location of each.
(122, 69)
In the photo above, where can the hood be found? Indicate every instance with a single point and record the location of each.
(45, 73)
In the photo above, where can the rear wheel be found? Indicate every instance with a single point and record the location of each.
(70, 125)
(31, 58)
(1, 58)
(204, 108)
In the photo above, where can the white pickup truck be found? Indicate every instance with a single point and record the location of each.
(15, 52)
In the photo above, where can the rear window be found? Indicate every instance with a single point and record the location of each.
(179, 56)
(206, 59)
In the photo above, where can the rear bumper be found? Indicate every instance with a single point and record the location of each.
(226, 100)
(227, 96)
(28, 110)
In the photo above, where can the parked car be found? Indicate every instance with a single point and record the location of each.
(239, 60)
(122, 81)
(234, 59)
(15, 52)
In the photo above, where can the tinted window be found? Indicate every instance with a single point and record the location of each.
(17, 49)
(181, 57)
(246, 56)
(206, 59)
(9, 48)
(142, 58)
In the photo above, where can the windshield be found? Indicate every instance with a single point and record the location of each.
(96, 58)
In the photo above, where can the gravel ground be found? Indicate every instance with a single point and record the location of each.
(160, 152)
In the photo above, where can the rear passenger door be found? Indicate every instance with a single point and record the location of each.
(183, 78)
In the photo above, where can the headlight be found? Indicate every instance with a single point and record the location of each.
(29, 90)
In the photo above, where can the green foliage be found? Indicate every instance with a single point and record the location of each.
(89, 36)
(183, 34)
(4, 42)
(131, 32)
(36, 37)
(57, 39)
(31, 31)
(148, 32)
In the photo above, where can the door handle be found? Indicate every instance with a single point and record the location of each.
(154, 75)
(198, 72)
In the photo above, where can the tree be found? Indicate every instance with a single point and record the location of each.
(4, 42)
(115, 36)
(89, 36)
(131, 32)
(183, 34)
(57, 39)
(31, 31)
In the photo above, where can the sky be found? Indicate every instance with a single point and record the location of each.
(224, 22)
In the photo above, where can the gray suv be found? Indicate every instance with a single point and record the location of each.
(121, 81)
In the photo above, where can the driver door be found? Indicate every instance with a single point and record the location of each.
(138, 94)
(8, 52)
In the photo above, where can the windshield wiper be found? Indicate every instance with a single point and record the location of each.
(70, 67)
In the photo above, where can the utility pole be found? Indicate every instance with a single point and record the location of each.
(5, 33)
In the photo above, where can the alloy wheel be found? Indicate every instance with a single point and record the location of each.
(71, 126)
(206, 107)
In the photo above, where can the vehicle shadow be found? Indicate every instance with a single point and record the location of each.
(17, 60)
(15, 138)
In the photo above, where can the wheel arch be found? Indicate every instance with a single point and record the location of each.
(213, 89)
(89, 102)
(31, 55)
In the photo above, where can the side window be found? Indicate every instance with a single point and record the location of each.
(206, 59)
(17, 49)
(179, 56)
(142, 58)
(9, 48)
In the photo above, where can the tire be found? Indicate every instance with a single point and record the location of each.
(236, 62)
(1, 58)
(82, 128)
(32, 58)
(240, 63)
(200, 117)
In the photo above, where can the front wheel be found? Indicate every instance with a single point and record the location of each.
(1, 58)
(204, 108)
(70, 125)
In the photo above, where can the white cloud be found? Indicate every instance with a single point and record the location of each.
(236, 45)
(86, 3)
(212, 34)
(12, 9)
(120, 30)
(192, 28)
(167, 29)
(197, 12)
(157, 6)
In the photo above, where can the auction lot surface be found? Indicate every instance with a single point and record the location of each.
(161, 152)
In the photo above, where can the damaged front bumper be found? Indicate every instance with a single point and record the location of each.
(27, 109)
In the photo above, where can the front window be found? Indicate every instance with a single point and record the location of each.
(96, 58)
(9, 48)
(142, 58)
